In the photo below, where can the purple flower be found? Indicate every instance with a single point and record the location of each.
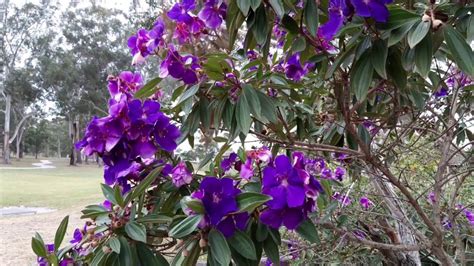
(279, 34)
(180, 11)
(246, 171)
(102, 134)
(365, 203)
(336, 18)
(344, 200)
(227, 163)
(138, 46)
(107, 204)
(327, 173)
(359, 234)
(293, 68)
(442, 92)
(179, 67)
(219, 200)
(43, 261)
(156, 36)
(339, 173)
(126, 83)
(431, 198)
(66, 262)
(76, 237)
(213, 14)
(372, 8)
(181, 175)
(469, 216)
(166, 134)
(289, 217)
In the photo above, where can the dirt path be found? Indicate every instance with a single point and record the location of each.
(16, 233)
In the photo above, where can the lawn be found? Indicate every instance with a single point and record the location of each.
(60, 187)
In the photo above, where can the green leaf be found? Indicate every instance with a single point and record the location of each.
(461, 52)
(423, 56)
(260, 28)
(194, 252)
(399, 17)
(98, 257)
(60, 232)
(185, 227)
(363, 134)
(271, 249)
(418, 32)
(311, 17)
(255, 4)
(361, 76)
(147, 257)
(379, 57)
(234, 19)
(242, 114)
(262, 232)
(145, 183)
(242, 243)
(193, 204)
(118, 196)
(248, 201)
(114, 244)
(219, 248)
(308, 231)
(244, 6)
(252, 100)
(397, 34)
(38, 247)
(136, 231)
(268, 107)
(188, 93)
(149, 89)
(125, 256)
(395, 69)
(339, 60)
(290, 24)
(109, 193)
(155, 218)
(298, 45)
(278, 7)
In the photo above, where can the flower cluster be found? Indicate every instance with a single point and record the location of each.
(246, 169)
(131, 134)
(338, 10)
(218, 197)
(293, 191)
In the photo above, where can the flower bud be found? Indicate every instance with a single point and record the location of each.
(425, 18)
(94, 244)
(116, 208)
(185, 252)
(106, 249)
(436, 23)
(202, 243)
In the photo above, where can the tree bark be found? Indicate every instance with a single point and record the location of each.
(18, 144)
(403, 233)
(6, 132)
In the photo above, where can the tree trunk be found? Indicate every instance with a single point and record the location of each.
(6, 132)
(403, 235)
(18, 144)
(72, 156)
(76, 138)
(59, 147)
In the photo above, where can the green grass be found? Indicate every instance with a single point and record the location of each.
(61, 187)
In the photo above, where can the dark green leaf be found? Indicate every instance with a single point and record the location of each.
(244, 6)
(397, 35)
(60, 232)
(38, 247)
(271, 249)
(242, 243)
(109, 193)
(125, 256)
(399, 17)
(290, 24)
(248, 201)
(379, 57)
(219, 248)
(339, 60)
(278, 7)
(423, 56)
(149, 89)
(242, 114)
(252, 100)
(99, 256)
(308, 231)
(255, 4)
(193, 204)
(262, 232)
(299, 45)
(311, 16)
(418, 32)
(261, 28)
(114, 244)
(154, 218)
(268, 107)
(460, 51)
(361, 76)
(234, 19)
(363, 134)
(136, 231)
(145, 183)
(185, 227)
(188, 93)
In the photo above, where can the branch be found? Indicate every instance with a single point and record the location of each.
(19, 126)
